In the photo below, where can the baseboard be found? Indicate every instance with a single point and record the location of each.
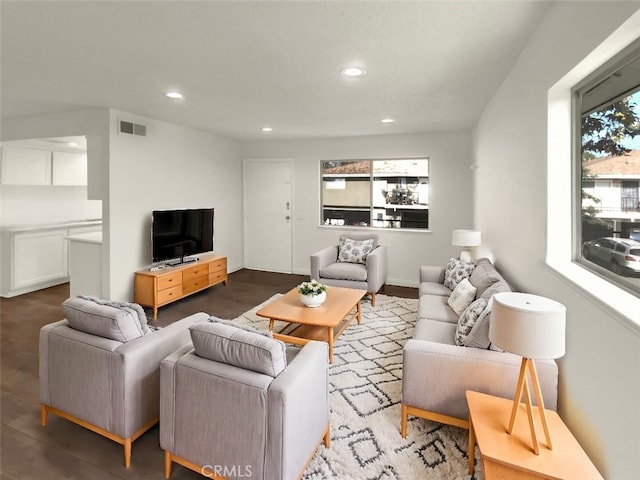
(399, 282)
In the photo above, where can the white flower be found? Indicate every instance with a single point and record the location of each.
(312, 288)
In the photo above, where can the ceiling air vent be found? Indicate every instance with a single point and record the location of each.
(133, 128)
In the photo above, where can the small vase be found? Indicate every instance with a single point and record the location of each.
(313, 300)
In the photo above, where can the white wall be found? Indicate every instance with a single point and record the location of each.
(450, 183)
(21, 204)
(172, 167)
(599, 375)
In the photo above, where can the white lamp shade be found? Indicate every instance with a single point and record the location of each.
(466, 238)
(528, 325)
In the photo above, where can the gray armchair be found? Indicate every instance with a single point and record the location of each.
(371, 276)
(108, 386)
(241, 404)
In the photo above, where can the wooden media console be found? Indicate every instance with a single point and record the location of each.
(161, 287)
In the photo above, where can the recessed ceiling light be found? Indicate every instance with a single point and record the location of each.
(174, 95)
(267, 129)
(387, 120)
(353, 72)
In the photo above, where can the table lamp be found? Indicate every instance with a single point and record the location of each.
(532, 327)
(466, 239)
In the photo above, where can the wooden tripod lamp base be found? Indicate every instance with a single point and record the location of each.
(528, 365)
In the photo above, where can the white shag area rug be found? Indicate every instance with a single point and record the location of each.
(365, 380)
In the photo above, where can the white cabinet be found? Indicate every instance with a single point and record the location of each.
(39, 258)
(25, 166)
(69, 168)
(32, 166)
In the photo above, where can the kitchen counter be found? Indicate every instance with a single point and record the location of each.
(29, 227)
(85, 263)
(91, 237)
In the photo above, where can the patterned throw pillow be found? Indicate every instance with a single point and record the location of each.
(354, 251)
(462, 296)
(455, 271)
(479, 335)
(468, 319)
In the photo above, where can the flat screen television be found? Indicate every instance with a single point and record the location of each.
(178, 234)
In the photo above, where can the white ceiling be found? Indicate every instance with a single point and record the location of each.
(431, 65)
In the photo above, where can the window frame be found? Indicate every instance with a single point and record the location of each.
(620, 60)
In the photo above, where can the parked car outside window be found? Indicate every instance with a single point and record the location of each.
(633, 233)
(620, 255)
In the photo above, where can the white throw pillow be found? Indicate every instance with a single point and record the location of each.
(462, 296)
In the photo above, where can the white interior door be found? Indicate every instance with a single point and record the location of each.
(268, 215)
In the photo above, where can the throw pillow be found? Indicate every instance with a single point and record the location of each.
(455, 271)
(498, 287)
(468, 319)
(462, 296)
(235, 346)
(484, 275)
(354, 251)
(479, 335)
(120, 324)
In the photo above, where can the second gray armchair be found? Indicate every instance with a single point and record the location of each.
(241, 404)
(358, 261)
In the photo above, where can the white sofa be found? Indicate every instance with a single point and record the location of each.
(437, 372)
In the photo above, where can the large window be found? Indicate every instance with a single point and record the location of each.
(608, 172)
(392, 193)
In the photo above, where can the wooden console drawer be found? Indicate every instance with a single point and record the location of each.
(218, 266)
(194, 284)
(194, 272)
(169, 294)
(217, 277)
(170, 280)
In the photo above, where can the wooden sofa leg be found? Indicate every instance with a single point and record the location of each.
(403, 421)
(373, 299)
(127, 452)
(43, 415)
(327, 437)
(167, 464)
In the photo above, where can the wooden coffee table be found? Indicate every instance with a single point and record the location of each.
(325, 323)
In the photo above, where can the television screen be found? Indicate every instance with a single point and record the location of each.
(177, 234)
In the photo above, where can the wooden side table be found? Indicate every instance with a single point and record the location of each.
(511, 457)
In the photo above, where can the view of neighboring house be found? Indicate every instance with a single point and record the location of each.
(379, 193)
(613, 186)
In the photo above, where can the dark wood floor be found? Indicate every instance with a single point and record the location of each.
(63, 450)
